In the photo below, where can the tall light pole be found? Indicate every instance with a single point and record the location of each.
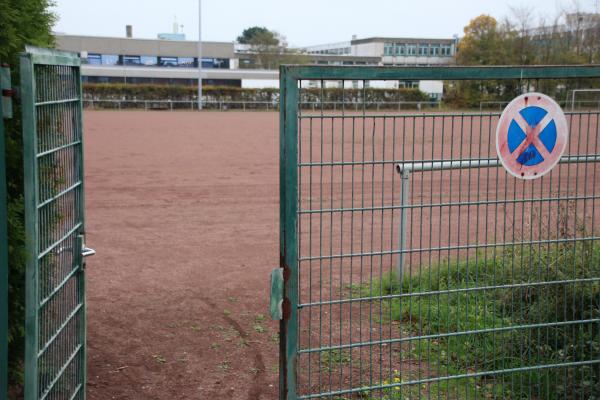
(199, 55)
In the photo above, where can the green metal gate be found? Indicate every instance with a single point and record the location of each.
(4, 85)
(55, 353)
(413, 265)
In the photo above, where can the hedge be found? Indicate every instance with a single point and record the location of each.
(119, 91)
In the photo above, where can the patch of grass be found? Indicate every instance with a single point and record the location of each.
(259, 318)
(483, 315)
(400, 388)
(331, 359)
(259, 328)
(335, 357)
(224, 366)
(159, 359)
(228, 333)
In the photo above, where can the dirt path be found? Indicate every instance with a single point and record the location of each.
(182, 210)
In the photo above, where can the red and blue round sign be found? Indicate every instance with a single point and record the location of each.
(531, 135)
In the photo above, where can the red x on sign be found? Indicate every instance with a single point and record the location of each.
(531, 135)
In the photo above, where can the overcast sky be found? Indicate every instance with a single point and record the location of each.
(303, 22)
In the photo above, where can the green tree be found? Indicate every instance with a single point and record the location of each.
(22, 22)
(258, 35)
(485, 43)
(482, 43)
(268, 48)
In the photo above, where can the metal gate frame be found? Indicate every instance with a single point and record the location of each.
(3, 258)
(290, 75)
(56, 95)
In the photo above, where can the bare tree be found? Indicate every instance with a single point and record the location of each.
(521, 23)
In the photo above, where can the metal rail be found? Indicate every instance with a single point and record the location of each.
(408, 167)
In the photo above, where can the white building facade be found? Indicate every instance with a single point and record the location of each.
(159, 61)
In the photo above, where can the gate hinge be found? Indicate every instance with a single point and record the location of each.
(276, 303)
(7, 92)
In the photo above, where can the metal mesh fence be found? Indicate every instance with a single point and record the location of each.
(424, 270)
(55, 329)
(4, 78)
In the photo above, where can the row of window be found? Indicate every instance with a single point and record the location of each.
(182, 62)
(337, 51)
(422, 49)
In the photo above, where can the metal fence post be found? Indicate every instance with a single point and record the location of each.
(404, 201)
(288, 246)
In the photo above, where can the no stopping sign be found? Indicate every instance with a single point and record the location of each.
(531, 135)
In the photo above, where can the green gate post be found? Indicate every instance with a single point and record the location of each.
(31, 228)
(288, 216)
(3, 256)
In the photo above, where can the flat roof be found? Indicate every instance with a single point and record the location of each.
(186, 73)
(378, 39)
(56, 34)
(142, 46)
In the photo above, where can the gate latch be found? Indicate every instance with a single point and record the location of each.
(85, 251)
(276, 303)
(7, 92)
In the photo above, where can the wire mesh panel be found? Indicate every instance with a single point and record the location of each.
(416, 267)
(3, 259)
(53, 153)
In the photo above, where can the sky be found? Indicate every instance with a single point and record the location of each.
(302, 22)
